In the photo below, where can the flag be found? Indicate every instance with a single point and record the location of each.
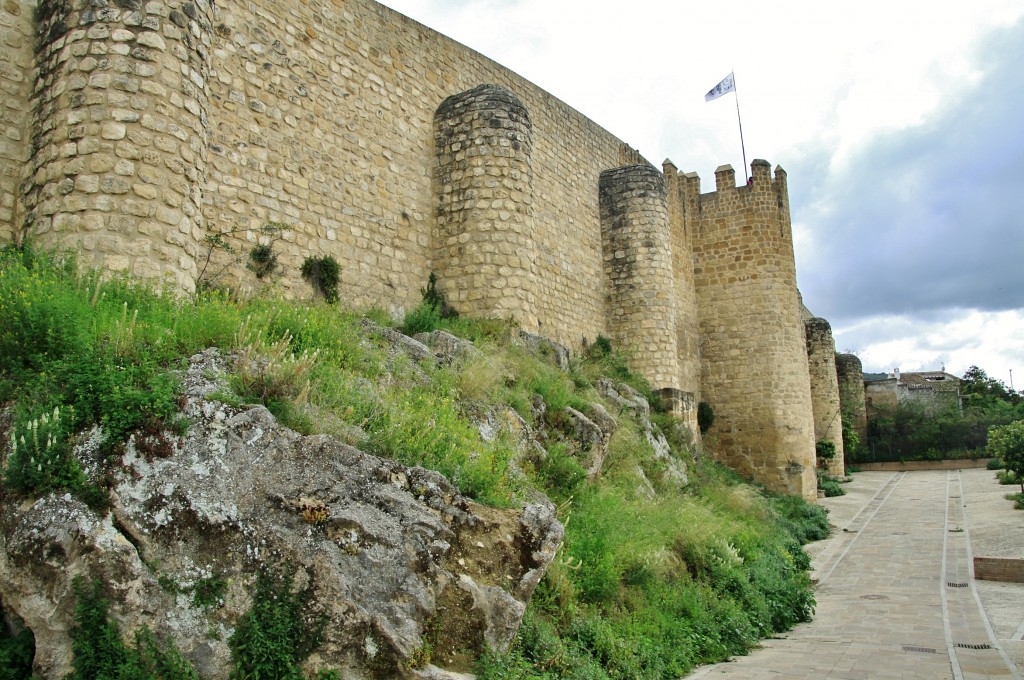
(727, 85)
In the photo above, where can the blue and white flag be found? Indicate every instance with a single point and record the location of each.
(727, 85)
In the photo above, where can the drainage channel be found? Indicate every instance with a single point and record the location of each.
(971, 644)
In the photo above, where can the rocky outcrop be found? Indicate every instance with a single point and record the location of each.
(395, 558)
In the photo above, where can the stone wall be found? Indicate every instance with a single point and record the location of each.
(753, 357)
(17, 60)
(324, 119)
(153, 127)
(825, 399)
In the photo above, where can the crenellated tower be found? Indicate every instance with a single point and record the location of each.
(754, 370)
(679, 191)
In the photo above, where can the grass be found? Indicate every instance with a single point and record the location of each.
(645, 586)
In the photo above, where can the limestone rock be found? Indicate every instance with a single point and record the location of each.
(559, 354)
(448, 347)
(388, 551)
(401, 342)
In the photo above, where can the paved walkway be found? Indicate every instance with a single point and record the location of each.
(896, 595)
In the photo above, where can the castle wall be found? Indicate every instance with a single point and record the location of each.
(17, 61)
(400, 152)
(323, 118)
(825, 399)
(754, 369)
(850, 373)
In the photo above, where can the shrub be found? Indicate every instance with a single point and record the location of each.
(830, 486)
(1006, 477)
(422, 319)
(323, 273)
(1007, 444)
(824, 451)
(994, 464)
(435, 299)
(278, 632)
(16, 655)
(99, 652)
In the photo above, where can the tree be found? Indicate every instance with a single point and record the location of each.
(1006, 443)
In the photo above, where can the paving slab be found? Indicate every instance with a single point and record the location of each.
(895, 586)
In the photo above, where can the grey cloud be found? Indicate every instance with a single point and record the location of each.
(926, 218)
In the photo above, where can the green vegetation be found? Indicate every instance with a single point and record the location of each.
(323, 273)
(915, 431)
(1006, 443)
(705, 416)
(651, 580)
(831, 486)
(99, 652)
(16, 653)
(278, 632)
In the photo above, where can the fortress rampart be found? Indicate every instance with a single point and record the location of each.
(133, 131)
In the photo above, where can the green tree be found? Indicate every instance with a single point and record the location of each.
(1006, 443)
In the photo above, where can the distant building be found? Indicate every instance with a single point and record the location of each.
(935, 389)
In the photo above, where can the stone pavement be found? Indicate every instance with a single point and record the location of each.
(896, 595)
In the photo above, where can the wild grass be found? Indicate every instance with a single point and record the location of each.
(651, 579)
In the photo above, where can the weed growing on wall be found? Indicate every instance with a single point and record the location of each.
(323, 273)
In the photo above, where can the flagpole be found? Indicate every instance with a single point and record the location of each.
(743, 147)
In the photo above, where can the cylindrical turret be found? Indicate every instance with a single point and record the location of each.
(637, 248)
(121, 134)
(821, 363)
(484, 247)
(850, 373)
(17, 61)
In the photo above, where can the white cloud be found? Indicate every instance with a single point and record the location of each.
(957, 339)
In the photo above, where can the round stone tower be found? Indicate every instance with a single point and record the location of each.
(120, 134)
(821, 363)
(484, 248)
(637, 247)
(850, 373)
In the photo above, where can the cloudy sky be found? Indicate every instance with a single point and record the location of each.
(900, 124)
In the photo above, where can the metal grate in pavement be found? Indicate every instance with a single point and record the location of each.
(924, 650)
(956, 584)
(965, 645)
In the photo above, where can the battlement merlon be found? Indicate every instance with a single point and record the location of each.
(761, 180)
